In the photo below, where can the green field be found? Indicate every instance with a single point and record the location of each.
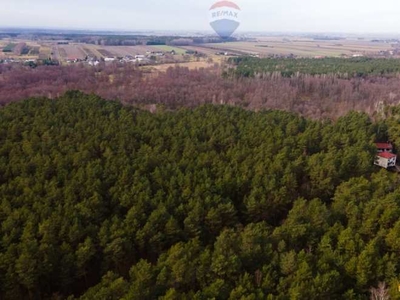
(170, 48)
(9, 48)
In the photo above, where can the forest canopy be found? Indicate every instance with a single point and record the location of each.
(340, 67)
(102, 201)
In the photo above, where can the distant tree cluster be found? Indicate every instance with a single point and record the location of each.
(339, 67)
(102, 201)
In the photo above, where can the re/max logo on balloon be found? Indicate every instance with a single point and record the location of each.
(225, 13)
(224, 18)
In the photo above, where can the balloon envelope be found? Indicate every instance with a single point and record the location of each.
(224, 18)
(225, 28)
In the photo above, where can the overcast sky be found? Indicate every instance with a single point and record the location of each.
(360, 16)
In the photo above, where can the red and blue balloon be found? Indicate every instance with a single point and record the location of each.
(224, 18)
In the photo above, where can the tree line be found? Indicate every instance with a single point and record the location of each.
(340, 67)
(317, 97)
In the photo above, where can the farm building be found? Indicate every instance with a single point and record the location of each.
(386, 160)
(93, 63)
(385, 157)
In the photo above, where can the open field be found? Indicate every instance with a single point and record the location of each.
(92, 50)
(121, 51)
(9, 48)
(178, 50)
(142, 49)
(200, 49)
(72, 51)
(302, 47)
(33, 50)
(210, 53)
(190, 65)
(105, 53)
(118, 51)
(232, 47)
(21, 49)
(263, 46)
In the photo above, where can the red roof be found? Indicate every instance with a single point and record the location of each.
(384, 145)
(387, 155)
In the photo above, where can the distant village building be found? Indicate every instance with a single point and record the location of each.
(385, 157)
(93, 63)
(142, 61)
(73, 60)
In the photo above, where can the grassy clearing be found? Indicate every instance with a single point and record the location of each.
(9, 48)
(191, 65)
(171, 48)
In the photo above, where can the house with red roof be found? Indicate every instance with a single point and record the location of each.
(385, 157)
(384, 147)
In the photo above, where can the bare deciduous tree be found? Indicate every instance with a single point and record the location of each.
(380, 293)
(311, 96)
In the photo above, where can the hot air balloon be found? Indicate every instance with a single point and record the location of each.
(224, 18)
